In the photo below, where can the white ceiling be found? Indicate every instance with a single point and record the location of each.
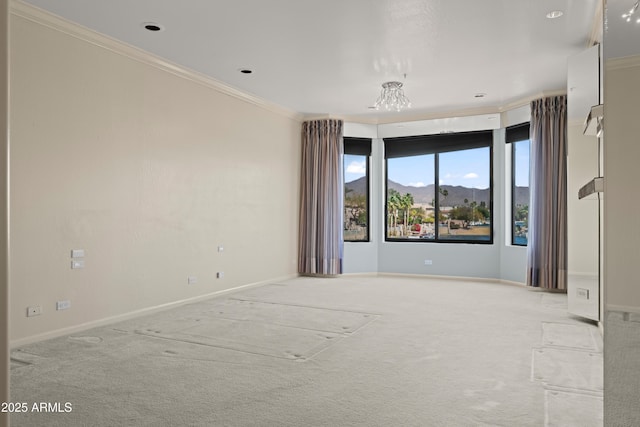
(621, 38)
(331, 56)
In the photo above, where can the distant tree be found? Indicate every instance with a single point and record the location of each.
(444, 193)
(406, 202)
(474, 212)
(522, 212)
(356, 207)
(393, 208)
(462, 213)
(482, 213)
(417, 215)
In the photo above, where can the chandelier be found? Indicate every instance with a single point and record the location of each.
(392, 97)
(627, 16)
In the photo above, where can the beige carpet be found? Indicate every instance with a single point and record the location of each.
(622, 376)
(350, 351)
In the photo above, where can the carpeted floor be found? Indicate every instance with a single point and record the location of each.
(349, 351)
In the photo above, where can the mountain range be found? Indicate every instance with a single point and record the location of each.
(425, 195)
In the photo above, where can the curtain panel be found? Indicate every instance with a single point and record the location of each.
(320, 243)
(547, 245)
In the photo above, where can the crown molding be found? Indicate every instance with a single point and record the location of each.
(47, 19)
(623, 62)
(407, 117)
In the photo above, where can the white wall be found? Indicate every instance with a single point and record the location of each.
(621, 201)
(148, 172)
(621, 237)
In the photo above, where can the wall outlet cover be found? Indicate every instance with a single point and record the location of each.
(77, 264)
(34, 310)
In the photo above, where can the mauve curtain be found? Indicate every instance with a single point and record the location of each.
(547, 240)
(320, 234)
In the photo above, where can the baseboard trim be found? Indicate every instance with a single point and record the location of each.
(138, 313)
(373, 274)
(513, 283)
(452, 278)
(622, 308)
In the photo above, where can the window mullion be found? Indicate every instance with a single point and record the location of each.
(436, 196)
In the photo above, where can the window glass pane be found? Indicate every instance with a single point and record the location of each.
(465, 195)
(520, 193)
(410, 197)
(356, 216)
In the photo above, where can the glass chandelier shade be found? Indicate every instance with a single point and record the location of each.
(392, 97)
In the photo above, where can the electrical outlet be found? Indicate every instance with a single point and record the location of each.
(192, 280)
(77, 264)
(428, 262)
(34, 310)
(220, 248)
(220, 274)
(63, 305)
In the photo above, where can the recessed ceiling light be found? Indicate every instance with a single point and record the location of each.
(245, 70)
(555, 14)
(152, 26)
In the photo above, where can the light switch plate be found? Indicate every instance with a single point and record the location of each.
(582, 293)
(77, 253)
(63, 305)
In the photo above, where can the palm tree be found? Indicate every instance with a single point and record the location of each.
(393, 206)
(406, 202)
(473, 210)
(445, 193)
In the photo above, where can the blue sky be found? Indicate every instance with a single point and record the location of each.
(354, 167)
(468, 168)
(522, 163)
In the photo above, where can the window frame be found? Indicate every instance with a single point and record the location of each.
(514, 134)
(360, 147)
(437, 144)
